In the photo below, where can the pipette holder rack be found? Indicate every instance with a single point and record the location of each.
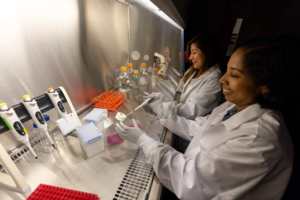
(41, 143)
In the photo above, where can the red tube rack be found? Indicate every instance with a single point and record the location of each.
(109, 100)
(48, 192)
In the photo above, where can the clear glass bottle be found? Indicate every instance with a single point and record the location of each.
(144, 76)
(135, 79)
(123, 80)
(130, 73)
(155, 77)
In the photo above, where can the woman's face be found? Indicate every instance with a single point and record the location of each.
(166, 54)
(238, 87)
(196, 56)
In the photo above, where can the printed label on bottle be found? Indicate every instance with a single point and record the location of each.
(61, 107)
(40, 117)
(19, 128)
(138, 80)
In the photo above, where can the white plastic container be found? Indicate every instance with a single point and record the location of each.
(91, 139)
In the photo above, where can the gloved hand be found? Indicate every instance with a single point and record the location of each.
(132, 134)
(157, 98)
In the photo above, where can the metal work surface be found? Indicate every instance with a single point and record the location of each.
(101, 174)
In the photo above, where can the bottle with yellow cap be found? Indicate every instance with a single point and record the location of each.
(135, 79)
(123, 80)
(144, 74)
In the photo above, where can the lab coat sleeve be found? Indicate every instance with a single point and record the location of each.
(226, 172)
(182, 127)
(202, 102)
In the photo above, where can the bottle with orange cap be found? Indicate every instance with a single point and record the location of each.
(123, 80)
(155, 76)
(130, 73)
(144, 74)
(135, 79)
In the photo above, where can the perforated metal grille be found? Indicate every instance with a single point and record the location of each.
(138, 173)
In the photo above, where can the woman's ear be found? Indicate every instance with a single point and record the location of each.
(264, 90)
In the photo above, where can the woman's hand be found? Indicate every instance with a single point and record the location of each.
(157, 98)
(132, 134)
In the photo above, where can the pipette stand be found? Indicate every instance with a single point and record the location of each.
(14, 180)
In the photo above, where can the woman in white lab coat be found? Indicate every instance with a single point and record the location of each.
(243, 149)
(200, 89)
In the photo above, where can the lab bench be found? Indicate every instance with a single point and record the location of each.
(119, 172)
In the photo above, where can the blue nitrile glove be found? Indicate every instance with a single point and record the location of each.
(132, 134)
(157, 98)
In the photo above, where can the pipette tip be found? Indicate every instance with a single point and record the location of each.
(54, 146)
(36, 157)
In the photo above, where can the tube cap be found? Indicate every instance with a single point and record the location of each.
(120, 116)
(27, 97)
(3, 106)
(136, 71)
(155, 69)
(123, 68)
(129, 65)
(143, 64)
(50, 89)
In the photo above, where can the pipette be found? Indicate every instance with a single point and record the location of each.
(144, 103)
(14, 124)
(36, 115)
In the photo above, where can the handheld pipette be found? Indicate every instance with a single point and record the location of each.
(144, 103)
(14, 124)
(67, 122)
(36, 115)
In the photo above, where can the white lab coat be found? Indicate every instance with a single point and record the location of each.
(248, 156)
(200, 98)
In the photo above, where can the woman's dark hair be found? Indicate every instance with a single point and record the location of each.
(168, 45)
(274, 61)
(208, 45)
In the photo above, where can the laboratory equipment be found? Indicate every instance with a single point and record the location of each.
(52, 192)
(91, 139)
(95, 115)
(36, 115)
(67, 122)
(135, 79)
(14, 124)
(144, 103)
(14, 180)
(112, 137)
(163, 69)
(144, 76)
(38, 139)
(109, 100)
(123, 80)
(130, 73)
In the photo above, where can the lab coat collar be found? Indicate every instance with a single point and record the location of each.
(248, 114)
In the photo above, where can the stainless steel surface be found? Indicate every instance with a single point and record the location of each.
(104, 40)
(150, 33)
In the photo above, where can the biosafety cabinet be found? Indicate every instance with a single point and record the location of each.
(81, 45)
